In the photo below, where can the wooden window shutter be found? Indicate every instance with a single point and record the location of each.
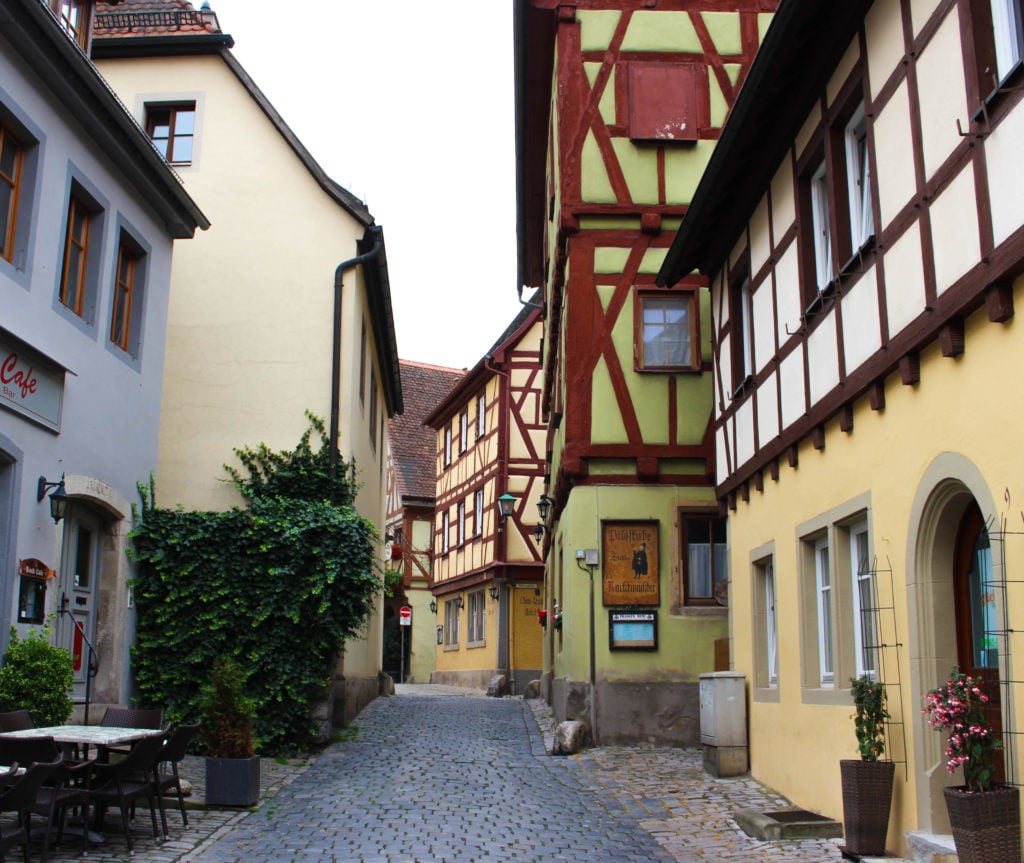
(663, 102)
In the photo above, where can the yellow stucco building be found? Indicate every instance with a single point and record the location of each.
(861, 226)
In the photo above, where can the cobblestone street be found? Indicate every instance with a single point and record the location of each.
(440, 774)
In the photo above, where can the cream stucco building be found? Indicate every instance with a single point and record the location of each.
(285, 307)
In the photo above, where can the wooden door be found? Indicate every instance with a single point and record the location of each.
(977, 638)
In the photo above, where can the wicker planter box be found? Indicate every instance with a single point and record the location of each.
(986, 824)
(867, 798)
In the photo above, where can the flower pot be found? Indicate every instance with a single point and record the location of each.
(986, 824)
(233, 781)
(867, 797)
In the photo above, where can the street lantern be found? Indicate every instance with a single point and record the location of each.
(506, 505)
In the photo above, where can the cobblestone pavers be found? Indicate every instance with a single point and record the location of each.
(448, 775)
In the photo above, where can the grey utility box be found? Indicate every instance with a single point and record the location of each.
(723, 723)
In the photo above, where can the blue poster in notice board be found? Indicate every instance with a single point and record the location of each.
(633, 630)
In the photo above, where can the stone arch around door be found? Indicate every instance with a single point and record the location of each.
(948, 487)
(114, 630)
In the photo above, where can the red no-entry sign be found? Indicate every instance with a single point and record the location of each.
(405, 616)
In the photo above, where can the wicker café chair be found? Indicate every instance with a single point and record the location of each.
(16, 720)
(130, 717)
(19, 799)
(175, 749)
(121, 783)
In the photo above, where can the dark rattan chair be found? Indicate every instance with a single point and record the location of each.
(129, 717)
(122, 782)
(16, 720)
(175, 749)
(66, 789)
(19, 799)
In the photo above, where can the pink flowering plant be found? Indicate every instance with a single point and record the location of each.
(958, 707)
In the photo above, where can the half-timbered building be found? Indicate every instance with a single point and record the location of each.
(409, 536)
(619, 107)
(488, 572)
(862, 227)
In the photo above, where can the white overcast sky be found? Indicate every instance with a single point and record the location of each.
(409, 105)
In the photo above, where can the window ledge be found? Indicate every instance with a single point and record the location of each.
(448, 647)
(812, 695)
(704, 611)
(766, 694)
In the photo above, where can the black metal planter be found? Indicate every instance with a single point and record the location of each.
(232, 781)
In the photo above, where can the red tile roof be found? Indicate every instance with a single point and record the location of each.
(414, 445)
(152, 18)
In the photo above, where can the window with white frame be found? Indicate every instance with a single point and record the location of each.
(463, 431)
(462, 522)
(838, 619)
(1008, 34)
(823, 585)
(766, 627)
(858, 177)
(771, 625)
(478, 512)
(451, 622)
(865, 604)
(444, 533)
(821, 232)
(476, 617)
(447, 445)
(481, 415)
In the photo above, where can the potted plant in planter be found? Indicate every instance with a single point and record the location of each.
(867, 781)
(232, 768)
(984, 815)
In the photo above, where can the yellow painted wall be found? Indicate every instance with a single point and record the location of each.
(961, 411)
(685, 636)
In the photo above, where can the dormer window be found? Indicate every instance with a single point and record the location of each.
(74, 17)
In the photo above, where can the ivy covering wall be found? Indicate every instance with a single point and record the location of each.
(279, 585)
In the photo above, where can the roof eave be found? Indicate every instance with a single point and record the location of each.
(378, 292)
(167, 45)
(534, 35)
(34, 33)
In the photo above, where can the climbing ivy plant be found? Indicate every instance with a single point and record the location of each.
(279, 585)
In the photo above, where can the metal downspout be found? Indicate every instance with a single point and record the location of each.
(334, 430)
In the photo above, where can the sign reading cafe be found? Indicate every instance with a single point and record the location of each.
(29, 383)
(630, 554)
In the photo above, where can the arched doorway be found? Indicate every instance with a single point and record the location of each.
(947, 558)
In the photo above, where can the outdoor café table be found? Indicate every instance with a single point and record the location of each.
(83, 735)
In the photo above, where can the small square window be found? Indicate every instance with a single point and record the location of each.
(667, 332)
(172, 129)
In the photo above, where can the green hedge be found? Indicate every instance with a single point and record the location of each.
(279, 586)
